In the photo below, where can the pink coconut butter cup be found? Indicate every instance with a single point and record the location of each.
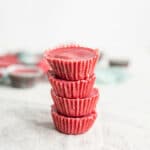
(72, 62)
(23, 76)
(72, 125)
(71, 89)
(76, 107)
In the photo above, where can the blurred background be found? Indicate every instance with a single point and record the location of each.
(119, 29)
(34, 25)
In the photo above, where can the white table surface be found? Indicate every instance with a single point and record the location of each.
(123, 122)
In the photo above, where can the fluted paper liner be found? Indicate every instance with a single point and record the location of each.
(72, 125)
(76, 107)
(72, 69)
(72, 89)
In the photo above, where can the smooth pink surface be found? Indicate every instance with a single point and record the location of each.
(72, 125)
(72, 53)
(43, 64)
(72, 89)
(76, 107)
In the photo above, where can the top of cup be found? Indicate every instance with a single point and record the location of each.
(72, 62)
(71, 53)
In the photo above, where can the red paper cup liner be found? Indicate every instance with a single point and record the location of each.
(76, 107)
(72, 89)
(72, 125)
(72, 69)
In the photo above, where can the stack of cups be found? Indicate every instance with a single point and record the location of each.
(72, 79)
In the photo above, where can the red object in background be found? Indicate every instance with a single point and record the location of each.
(8, 59)
(25, 71)
(22, 76)
(43, 64)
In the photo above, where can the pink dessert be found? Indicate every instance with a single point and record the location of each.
(72, 62)
(24, 76)
(25, 72)
(72, 125)
(76, 107)
(71, 89)
(8, 59)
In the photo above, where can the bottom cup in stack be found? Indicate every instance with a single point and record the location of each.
(73, 115)
(72, 125)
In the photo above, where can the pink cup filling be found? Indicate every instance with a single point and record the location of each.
(24, 71)
(72, 53)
